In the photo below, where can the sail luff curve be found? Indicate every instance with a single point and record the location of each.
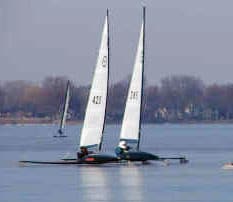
(91, 135)
(130, 130)
(108, 62)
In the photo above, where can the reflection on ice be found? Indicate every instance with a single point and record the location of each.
(131, 182)
(94, 184)
(110, 183)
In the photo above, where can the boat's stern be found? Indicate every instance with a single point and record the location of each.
(137, 156)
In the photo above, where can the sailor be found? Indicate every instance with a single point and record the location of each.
(60, 132)
(122, 148)
(83, 152)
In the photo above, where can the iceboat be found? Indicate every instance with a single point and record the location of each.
(130, 135)
(93, 127)
(228, 166)
(61, 132)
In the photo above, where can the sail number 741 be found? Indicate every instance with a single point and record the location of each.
(133, 95)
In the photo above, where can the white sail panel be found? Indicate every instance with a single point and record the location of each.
(131, 120)
(66, 106)
(95, 112)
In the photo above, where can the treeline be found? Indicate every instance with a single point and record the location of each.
(176, 98)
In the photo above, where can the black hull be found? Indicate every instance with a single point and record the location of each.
(98, 159)
(138, 156)
(60, 136)
(89, 159)
(145, 156)
(68, 162)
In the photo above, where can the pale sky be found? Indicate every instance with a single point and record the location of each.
(40, 38)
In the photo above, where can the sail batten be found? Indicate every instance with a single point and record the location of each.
(93, 126)
(131, 124)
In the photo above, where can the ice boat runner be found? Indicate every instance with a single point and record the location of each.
(128, 148)
(94, 121)
(64, 112)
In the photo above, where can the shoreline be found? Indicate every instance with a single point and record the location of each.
(15, 121)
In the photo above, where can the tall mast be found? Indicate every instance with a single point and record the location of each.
(143, 62)
(105, 115)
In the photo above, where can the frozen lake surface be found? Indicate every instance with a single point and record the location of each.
(207, 147)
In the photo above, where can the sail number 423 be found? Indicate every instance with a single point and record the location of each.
(96, 99)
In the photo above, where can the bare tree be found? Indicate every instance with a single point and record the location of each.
(178, 92)
(116, 100)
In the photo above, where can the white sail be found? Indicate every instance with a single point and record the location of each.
(93, 126)
(65, 108)
(130, 131)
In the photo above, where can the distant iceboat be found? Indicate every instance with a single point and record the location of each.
(64, 112)
(228, 166)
